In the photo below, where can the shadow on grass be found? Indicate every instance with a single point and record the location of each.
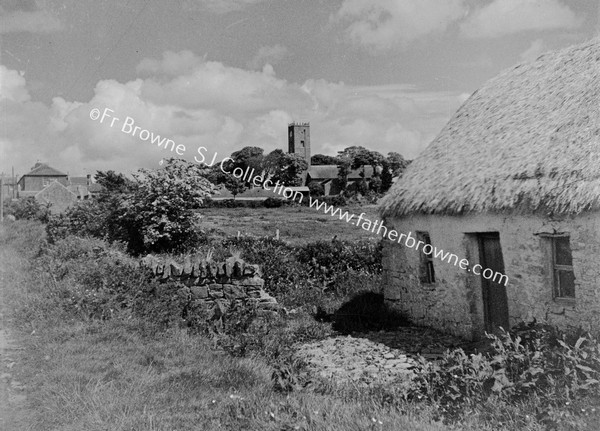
(366, 311)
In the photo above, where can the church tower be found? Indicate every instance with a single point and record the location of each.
(299, 140)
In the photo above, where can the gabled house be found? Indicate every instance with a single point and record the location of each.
(327, 176)
(50, 186)
(40, 176)
(512, 185)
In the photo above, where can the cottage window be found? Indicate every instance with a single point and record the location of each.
(562, 267)
(426, 271)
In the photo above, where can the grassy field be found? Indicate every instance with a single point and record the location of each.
(122, 374)
(296, 224)
(128, 372)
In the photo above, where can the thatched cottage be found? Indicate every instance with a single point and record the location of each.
(512, 183)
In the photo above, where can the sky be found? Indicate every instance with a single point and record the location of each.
(224, 74)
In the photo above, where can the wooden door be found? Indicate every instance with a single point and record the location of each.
(495, 302)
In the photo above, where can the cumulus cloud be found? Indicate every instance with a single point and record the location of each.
(268, 54)
(503, 17)
(39, 21)
(201, 103)
(383, 24)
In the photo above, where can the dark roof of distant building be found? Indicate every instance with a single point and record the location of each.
(43, 170)
(322, 172)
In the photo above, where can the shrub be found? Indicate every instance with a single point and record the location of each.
(160, 211)
(273, 203)
(28, 209)
(87, 218)
(92, 278)
(534, 362)
(328, 259)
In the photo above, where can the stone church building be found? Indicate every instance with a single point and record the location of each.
(511, 183)
(326, 175)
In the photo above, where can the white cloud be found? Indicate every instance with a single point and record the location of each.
(216, 106)
(383, 24)
(536, 48)
(12, 86)
(39, 21)
(503, 17)
(268, 54)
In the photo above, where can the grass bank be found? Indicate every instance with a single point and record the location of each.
(123, 374)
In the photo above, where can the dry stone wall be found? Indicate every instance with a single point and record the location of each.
(214, 287)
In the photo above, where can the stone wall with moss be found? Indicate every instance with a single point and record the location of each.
(214, 287)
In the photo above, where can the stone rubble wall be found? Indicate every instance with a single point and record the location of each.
(214, 286)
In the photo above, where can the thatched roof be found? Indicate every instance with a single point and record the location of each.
(528, 140)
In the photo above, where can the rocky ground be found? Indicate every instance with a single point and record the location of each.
(377, 357)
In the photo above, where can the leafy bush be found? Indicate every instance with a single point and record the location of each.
(27, 209)
(93, 279)
(87, 218)
(232, 203)
(536, 361)
(326, 260)
(273, 203)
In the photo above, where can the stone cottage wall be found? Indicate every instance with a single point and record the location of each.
(454, 302)
(58, 196)
(212, 286)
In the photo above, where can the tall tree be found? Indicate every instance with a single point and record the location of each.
(285, 168)
(113, 182)
(386, 177)
(321, 159)
(397, 163)
(249, 157)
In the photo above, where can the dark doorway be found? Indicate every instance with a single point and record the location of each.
(495, 302)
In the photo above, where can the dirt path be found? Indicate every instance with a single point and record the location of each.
(12, 395)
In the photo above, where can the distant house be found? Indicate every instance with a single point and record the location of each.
(328, 177)
(40, 176)
(512, 185)
(57, 196)
(51, 186)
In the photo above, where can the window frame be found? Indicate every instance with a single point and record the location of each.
(554, 268)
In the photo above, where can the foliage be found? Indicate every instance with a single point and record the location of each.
(386, 177)
(216, 176)
(27, 209)
(361, 157)
(534, 361)
(93, 279)
(161, 209)
(316, 188)
(285, 168)
(113, 182)
(397, 163)
(273, 203)
(246, 158)
(321, 159)
(83, 219)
